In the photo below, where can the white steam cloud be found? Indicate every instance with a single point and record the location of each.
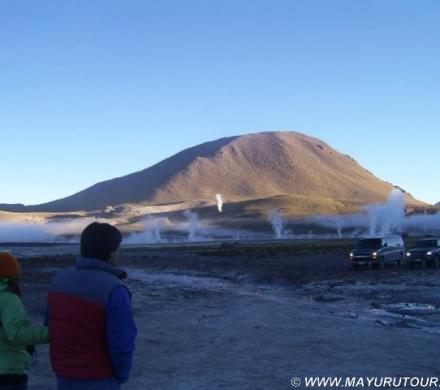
(220, 201)
(193, 224)
(277, 222)
(151, 233)
(55, 231)
(381, 219)
(386, 218)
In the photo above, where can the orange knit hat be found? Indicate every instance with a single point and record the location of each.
(9, 265)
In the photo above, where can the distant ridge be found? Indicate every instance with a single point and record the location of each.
(13, 208)
(252, 166)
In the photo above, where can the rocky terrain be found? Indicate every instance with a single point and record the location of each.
(256, 315)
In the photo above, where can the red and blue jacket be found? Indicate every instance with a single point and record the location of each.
(92, 330)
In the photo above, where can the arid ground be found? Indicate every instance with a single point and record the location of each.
(252, 316)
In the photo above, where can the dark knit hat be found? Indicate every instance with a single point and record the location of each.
(9, 266)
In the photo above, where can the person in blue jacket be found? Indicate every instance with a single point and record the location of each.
(90, 316)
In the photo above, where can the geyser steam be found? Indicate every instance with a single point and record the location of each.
(387, 218)
(381, 219)
(219, 199)
(55, 231)
(152, 232)
(193, 224)
(277, 222)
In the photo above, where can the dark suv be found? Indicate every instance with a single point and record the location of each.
(426, 251)
(378, 251)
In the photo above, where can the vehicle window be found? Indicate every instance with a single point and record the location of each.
(398, 241)
(427, 243)
(369, 243)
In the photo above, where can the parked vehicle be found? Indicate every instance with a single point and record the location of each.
(426, 251)
(378, 251)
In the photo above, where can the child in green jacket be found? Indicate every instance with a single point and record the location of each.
(16, 333)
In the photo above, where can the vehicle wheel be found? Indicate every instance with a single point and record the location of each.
(423, 263)
(435, 262)
(355, 266)
(411, 265)
(382, 263)
(401, 259)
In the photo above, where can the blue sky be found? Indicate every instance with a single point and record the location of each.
(91, 89)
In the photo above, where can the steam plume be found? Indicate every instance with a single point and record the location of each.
(219, 199)
(277, 221)
(193, 222)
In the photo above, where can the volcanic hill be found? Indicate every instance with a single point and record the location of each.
(253, 167)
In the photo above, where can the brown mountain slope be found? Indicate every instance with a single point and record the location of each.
(246, 167)
(268, 164)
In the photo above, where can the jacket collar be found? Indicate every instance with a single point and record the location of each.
(96, 264)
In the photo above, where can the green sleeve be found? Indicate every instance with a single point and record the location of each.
(17, 328)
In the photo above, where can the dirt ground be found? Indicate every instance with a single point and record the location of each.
(253, 317)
